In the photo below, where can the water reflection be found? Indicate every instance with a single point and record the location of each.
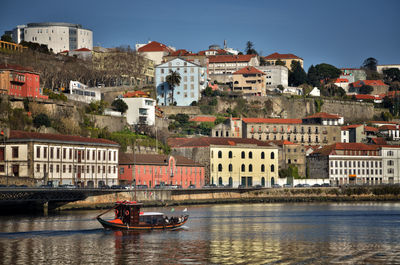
(221, 234)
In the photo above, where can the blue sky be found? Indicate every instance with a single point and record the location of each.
(342, 33)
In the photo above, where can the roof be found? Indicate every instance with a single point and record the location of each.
(281, 142)
(268, 120)
(248, 70)
(136, 94)
(60, 138)
(347, 127)
(219, 52)
(365, 97)
(82, 50)
(153, 159)
(182, 52)
(330, 149)
(341, 80)
(387, 127)
(207, 141)
(323, 115)
(360, 83)
(231, 58)
(276, 56)
(384, 122)
(154, 46)
(203, 119)
(379, 140)
(370, 129)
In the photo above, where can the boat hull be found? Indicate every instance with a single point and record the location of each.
(117, 226)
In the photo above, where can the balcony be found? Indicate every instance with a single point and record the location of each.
(325, 141)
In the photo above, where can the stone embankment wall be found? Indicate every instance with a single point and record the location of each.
(173, 110)
(113, 124)
(211, 196)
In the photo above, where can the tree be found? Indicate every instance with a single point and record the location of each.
(366, 89)
(297, 75)
(250, 48)
(391, 75)
(326, 71)
(280, 62)
(370, 64)
(7, 37)
(312, 77)
(173, 79)
(120, 105)
(281, 88)
(41, 120)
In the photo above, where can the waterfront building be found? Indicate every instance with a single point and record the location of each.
(356, 163)
(20, 81)
(231, 161)
(193, 81)
(287, 59)
(57, 36)
(141, 108)
(62, 159)
(153, 170)
(249, 81)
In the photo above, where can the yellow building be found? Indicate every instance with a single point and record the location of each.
(5, 45)
(249, 81)
(244, 164)
(285, 58)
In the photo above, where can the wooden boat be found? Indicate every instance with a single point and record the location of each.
(128, 217)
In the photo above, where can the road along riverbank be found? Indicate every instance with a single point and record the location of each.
(155, 198)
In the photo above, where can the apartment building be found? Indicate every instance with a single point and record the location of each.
(249, 81)
(62, 159)
(285, 58)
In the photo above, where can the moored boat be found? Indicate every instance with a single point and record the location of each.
(129, 217)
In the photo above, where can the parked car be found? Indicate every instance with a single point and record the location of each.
(306, 185)
(287, 186)
(192, 186)
(316, 185)
(142, 187)
(299, 186)
(116, 187)
(325, 185)
(241, 186)
(276, 186)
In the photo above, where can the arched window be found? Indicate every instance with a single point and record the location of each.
(272, 168)
(219, 154)
(262, 168)
(250, 168)
(219, 167)
(272, 155)
(263, 181)
(220, 181)
(230, 182)
(272, 181)
(243, 154)
(262, 155)
(230, 154)
(230, 167)
(250, 154)
(243, 168)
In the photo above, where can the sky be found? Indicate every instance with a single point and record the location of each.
(341, 32)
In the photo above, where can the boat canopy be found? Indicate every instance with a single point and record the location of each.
(150, 213)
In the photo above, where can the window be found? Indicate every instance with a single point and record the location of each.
(64, 153)
(230, 154)
(63, 169)
(38, 168)
(57, 168)
(250, 155)
(70, 168)
(230, 167)
(51, 152)
(243, 154)
(58, 153)
(272, 155)
(262, 155)
(38, 152)
(45, 152)
(15, 152)
(219, 154)
(262, 168)
(390, 162)
(70, 153)
(219, 167)
(243, 168)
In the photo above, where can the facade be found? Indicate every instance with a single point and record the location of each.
(82, 53)
(231, 161)
(57, 36)
(62, 159)
(356, 163)
(231, 127)
(154, 51)
(291, 154)
(390, 132)
(20, 82)
(152, 170)
(193, 81)
(141, 110)
(221, 67)
(379, 86)
(286, 58)
(343, 83)
(275, 75)
(249, 81)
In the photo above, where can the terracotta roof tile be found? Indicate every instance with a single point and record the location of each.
(154, 46)
(347, 127)
(341, 80)
(267, 120)
(82, 50)
(276, 56)
(136, 94)
(370, 129)
(203, 119)
(248, 70)
(379, 140)
(388, 127)
(360, 83)
(330, 149)
(34, 136)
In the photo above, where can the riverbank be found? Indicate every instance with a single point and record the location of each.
(153, 198)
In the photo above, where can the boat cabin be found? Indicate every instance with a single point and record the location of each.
(128, 212)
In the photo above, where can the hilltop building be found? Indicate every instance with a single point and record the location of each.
(275, 75)
(249, 81)
(193, 81)
(141, 108)
(285, 58)
(57, 36)
(154, 51)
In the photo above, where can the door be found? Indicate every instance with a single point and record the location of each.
(249, 181)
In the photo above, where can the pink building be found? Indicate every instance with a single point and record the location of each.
(152, 170)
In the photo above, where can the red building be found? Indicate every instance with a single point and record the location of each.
(20, 81)
(152, 170)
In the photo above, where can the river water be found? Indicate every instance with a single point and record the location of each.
(331, 233)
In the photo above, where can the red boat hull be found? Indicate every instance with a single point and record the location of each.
(145, 227)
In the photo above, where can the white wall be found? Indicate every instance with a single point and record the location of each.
(135, 106)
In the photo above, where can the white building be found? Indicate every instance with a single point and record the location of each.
(57, 36)
(62, 159)
(275, 75)
(315, 92)
(140, 110)
(391, 163)
(154, 51)
(81, 92)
